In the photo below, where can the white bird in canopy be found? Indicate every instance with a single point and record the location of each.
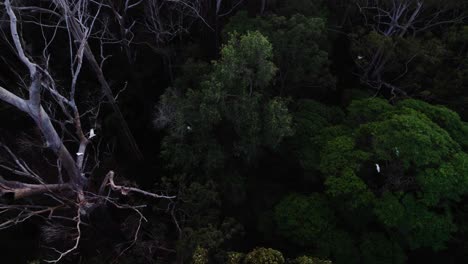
(91, 133)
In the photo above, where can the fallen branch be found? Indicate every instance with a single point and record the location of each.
(124, 190)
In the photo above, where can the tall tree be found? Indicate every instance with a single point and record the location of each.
(66, 127)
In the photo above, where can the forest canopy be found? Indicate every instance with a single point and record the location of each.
(233, 131)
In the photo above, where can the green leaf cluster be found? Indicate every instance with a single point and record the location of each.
(299, 49)
(400, 168)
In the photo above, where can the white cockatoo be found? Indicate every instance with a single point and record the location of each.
(91, 133)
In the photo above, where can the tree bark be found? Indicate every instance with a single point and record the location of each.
(78, 35)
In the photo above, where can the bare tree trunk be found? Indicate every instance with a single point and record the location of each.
(110, 97)
(56, 115)
(23, 190)
(35, 110)
(78, 34)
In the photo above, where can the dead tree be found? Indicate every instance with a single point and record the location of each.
(66, 124)
(52, 106)
(397, 19)
(78, 23)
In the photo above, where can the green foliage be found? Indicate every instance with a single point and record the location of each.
(234, 258)
(404, 163)
(351, 189)
(201, 200)
(299, 48)
(418, 152)
(269, 256)
(231, 101)
(275, 129)
(410, 137)
(405, 61)
(210, 237)
(340, 154)
(245, 63)
(310, 260)
(200, 256)
(430, 61)
(276, 115)
(423, 227)
(225, 118)
(428, 228)
(304, 220)
(449, 79)
(443, 117)
(264, 256)
(310, 119)
(377, 249)
(376, 180)
(389, 209)
(367, 110)
(447, 182)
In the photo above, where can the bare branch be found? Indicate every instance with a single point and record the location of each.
(22, 190)
(77, 239)
(124, 190)
(14, 100)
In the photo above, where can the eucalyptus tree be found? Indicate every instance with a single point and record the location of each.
(63, 190)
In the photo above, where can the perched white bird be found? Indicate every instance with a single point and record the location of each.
(397, 152)
(360, 57)
(79, 154)
(91, 133)
(189, 128)
(377, 167)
